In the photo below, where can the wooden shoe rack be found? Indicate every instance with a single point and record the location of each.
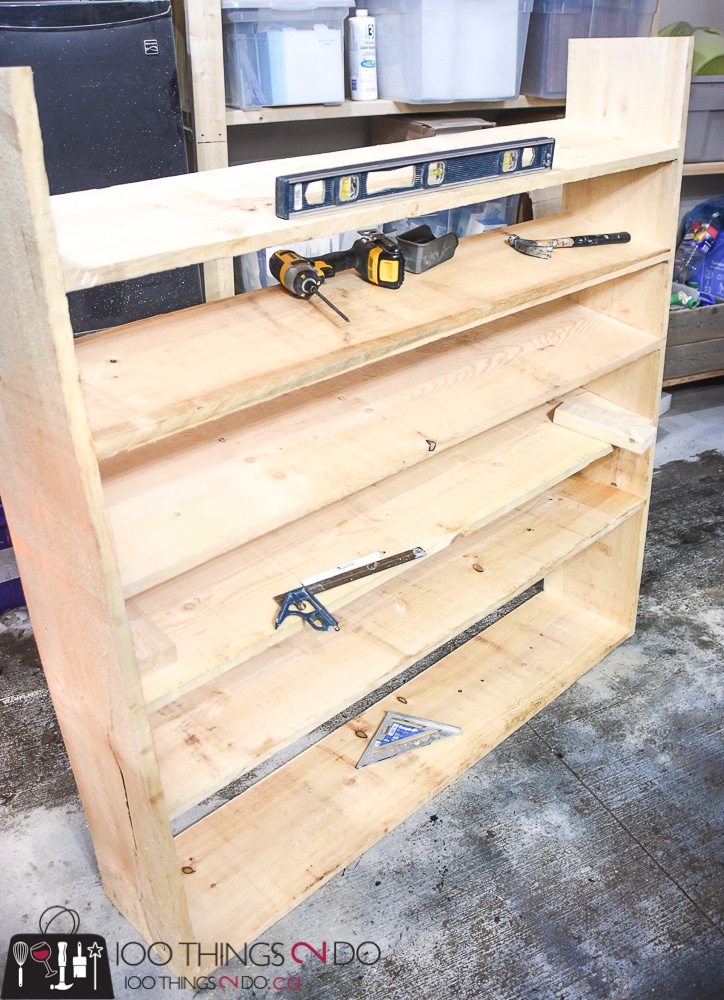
(164, 480)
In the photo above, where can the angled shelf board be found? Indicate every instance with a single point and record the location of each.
(398, 514)
(264, 357)
(114, 233)
(523, 661)
(385, 632)
(165, 479)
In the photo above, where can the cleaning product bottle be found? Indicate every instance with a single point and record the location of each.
(701, 228)
(362, 57)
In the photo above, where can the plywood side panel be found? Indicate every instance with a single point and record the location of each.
(636, 385)
(605, 579)
(624, 203)
(638, 299)
(52, 494)
(195, 504)
(650, 99)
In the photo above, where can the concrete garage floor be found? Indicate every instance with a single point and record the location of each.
(581, 859)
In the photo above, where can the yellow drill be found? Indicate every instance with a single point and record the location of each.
(374, 256)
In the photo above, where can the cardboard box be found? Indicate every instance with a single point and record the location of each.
(399, 128)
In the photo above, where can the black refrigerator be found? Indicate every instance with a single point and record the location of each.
(106, 85)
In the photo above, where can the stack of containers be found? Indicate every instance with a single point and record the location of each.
(280, 52)
(468, 220)
(553, 22)
(705, 124)
(437, 51)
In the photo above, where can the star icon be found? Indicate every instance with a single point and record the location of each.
(95, 950)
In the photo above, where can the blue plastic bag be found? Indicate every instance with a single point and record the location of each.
(700, 250)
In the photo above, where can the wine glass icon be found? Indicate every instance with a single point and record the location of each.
(40, 952)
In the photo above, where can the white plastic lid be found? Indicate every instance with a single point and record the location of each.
(283, 4)
(361, 12)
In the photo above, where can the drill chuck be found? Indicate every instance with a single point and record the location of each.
(296, 273)
(300, 276)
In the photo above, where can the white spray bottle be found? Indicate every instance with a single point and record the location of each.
(361, 53)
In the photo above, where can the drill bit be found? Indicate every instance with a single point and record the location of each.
(331, 305)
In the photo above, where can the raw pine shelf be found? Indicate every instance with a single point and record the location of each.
(165, 479)
(384, 633)
(525, 660)
(243, 351)
(309, 449)
(473, 483)
(382, 106)
(120, 232)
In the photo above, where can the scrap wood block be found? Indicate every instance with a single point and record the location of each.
(599, 418)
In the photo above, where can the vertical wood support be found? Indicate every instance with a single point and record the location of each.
(643, 304)
(205, 54)
(605, 577)
(64, 548)
(651, 103)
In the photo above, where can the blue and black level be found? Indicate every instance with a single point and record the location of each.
(314, 190)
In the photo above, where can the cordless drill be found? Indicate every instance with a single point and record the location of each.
(375, 257)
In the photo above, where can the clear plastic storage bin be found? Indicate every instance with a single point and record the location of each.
(283, 52)
(466, 221)
(553, 22)
(705, 126)
(434, 51)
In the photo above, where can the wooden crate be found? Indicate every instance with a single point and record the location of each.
(165, 479)
(695, 345)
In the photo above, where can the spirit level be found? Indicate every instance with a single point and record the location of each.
(320, 189)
